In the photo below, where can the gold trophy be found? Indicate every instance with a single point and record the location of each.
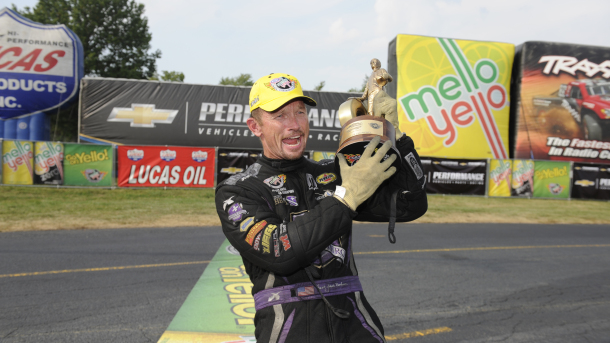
(364, 118)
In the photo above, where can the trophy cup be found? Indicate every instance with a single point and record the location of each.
(360, 124)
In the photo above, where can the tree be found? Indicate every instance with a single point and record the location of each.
(363, 87)
(241, 80)
(114, 34)
(320, 86)
(174, 76)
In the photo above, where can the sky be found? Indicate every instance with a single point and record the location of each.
(334, 40)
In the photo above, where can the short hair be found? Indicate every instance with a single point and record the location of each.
(257, 115)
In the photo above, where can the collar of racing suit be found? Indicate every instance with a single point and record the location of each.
(282, 165)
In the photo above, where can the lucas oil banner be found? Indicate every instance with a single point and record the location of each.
(591, 181)
(40, 65)
(552, 179)
(453, 176)
(17, 162)
(157, 166)
(453, 95)
(140, 112)
(48, 165)
(564, 109)
(88, 165)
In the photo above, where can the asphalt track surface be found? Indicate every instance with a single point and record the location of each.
(438, 283)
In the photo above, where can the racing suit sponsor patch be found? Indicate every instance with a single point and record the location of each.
(275, 181)
(293, 215)
(246, 223)
(236, 212)
(412, 161)
(292, 200)
(227, 202)
(251, 171)
(257, 241)
(278, 199)
(285, 242)
(327, 193)
(254, 230)
(267, 238)
(311, 182)
(326, 178)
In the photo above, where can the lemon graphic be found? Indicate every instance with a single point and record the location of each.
(501, 54)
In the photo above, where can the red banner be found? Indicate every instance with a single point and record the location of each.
(161, 166)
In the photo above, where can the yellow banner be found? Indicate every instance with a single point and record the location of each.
(454, 95)
(500, 172)
(17, 162)
(323, 155)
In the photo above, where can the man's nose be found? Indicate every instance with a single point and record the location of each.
(293, 122)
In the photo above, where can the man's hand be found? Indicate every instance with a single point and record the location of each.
(363, 178)
(385, 106)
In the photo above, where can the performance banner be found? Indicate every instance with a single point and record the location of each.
(591, 181)
(455, 176)
(220, 308)
(564, 108)
(552, 179)
(48, 163)
(88, 165)
(523, 178)
(453, 95)
(234, 161)
(158, 166)
(500, 178)
(17, 162)
(138, 112)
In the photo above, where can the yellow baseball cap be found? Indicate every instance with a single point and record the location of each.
(274, 90)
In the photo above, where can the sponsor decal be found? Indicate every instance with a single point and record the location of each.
(326, 178)
(135, 154)
(281, 84)
(292, 200)
(267, 238)
(246, 223)
(236, 212)
(282, 228)
(584, 183)
(327, 193)
(254, 230)
(94, 175)
(555, 188)
(167, 155)
(285, 242)
(276, 181)
(231, 170)
(227, 203)
(142, 115)
(278, 199)
(412, 161)
(199, 156)
(254, 102)
(569, 64)
(93, 156)
(257, 241)
(276, 245)
(352, 158)
(311, 182)
(251, 171)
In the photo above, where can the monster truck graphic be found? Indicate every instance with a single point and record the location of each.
(588, 101)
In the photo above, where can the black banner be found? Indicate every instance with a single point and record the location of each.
(591, 181)
(169, 113)
(455, 176)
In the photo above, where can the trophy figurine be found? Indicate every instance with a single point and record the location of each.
(373, 114)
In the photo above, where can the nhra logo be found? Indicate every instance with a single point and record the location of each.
(199, 156)
(326, 178)
(135, 154)
(281, 84)
(94, 175)
(168, 155)
(555, 188)
(276, 181)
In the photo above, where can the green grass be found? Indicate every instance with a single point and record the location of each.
(41, 208)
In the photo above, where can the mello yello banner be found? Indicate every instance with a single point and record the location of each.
(88, 165)
(552, 179)
(523, 178)
(500, 178)
(160, 166)
(17, 162)
(453, 95)
(48, 163)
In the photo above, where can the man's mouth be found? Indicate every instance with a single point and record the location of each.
(292, 141)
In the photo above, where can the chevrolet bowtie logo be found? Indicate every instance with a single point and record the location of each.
(231, 170)
(142, 115)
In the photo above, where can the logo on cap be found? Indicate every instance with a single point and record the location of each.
(281, 84)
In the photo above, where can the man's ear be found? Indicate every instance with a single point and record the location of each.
(254, 126)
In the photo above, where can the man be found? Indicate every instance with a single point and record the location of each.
(291, 219)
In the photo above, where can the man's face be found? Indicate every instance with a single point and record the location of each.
(283, 132)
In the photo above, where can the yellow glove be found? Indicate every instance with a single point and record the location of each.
(363, 178)
(385, 106)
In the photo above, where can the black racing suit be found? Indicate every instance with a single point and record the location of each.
(282, 218)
